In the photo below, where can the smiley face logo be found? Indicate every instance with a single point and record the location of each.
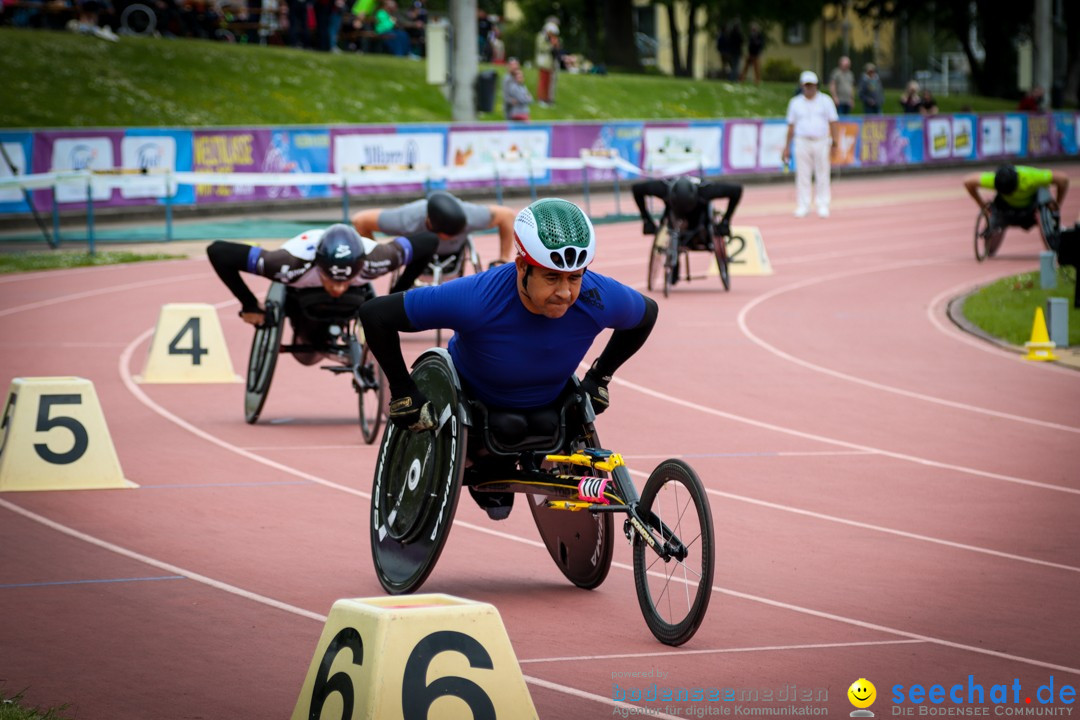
(862, 693)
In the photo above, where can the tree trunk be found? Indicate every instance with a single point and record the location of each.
(591, 23)
(678, 68)
(691, 37)
(620, 50)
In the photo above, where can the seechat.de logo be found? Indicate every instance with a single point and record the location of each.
(862, 695)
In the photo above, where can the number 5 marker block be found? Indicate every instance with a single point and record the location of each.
(414, 657)
(53, 437)
(188, 347)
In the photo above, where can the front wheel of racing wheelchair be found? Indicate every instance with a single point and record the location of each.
(344, 345)
(573, 489)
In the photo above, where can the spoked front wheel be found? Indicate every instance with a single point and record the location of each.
(371, 389)
(265, 347)
(1050, 225)
(722, 259)
(987, 237)
(674, 595)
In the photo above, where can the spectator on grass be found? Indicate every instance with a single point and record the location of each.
(871, 93)
(516, 97)
(842, 86)
(911, 101)
(755, 44)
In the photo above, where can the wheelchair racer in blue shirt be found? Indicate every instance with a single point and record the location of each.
(521, 329)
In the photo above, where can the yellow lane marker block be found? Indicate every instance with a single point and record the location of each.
(53, 437)
(188, 347)
(417, 656)
(746, 253)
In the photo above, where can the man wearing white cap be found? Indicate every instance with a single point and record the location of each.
(811, 118)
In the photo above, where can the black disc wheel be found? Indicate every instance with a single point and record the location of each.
(1050, 225)
(417, 481)
(580, 542)
(674, 595)
(262, 359)
(371, 391)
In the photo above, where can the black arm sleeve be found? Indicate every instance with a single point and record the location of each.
(229, 259)
(714, 191)
(656, 188)
(624, 343)
(383, 318)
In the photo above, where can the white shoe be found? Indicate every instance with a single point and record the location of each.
(801, 212)
(823, 212)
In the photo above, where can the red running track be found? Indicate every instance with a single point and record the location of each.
(893, 499)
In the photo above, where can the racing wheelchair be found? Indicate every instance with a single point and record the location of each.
(573, 488)
(669, 256)
(994, 218)
(345, 347)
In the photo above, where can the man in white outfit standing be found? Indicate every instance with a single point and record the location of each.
(811, 118)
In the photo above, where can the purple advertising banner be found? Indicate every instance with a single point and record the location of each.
(61, 150)
(736, 146)
(599, 139)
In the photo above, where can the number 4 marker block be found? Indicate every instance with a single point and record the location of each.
(415, 657)
(188, 347)
(53, 437)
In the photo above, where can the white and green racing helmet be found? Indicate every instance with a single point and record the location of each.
(555, 234)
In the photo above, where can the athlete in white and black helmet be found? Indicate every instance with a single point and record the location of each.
(337, 259)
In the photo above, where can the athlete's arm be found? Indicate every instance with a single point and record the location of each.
(366, 222)
(383, 319)
(622, 344)
(712, 191)
(655, 188)
(1061, 182)
(228, 259)
(620, 347)
(502, 218)
(972, 183)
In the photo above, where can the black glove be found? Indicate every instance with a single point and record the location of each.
(648, 227)
(722, 229)
(412, 410)
(595, 386)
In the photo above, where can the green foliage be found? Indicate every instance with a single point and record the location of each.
(142, 82)
(780, 70)
(26, 261)
(14, 708)
(1006, 308)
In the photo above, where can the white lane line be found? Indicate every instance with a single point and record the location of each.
(744, 327)
(717, 651)
(159, 564)
(100, 291)
(842, 443)
(890, 531)
(765, 454)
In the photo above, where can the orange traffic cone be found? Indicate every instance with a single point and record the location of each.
(1040, 347)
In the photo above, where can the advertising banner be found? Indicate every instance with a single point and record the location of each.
(679, 145)
(15, 160)
(386, 148)
(613, 139)
(1001, 135)
(1042, 136)
(153, 151)
(471, 151)
(297, 151)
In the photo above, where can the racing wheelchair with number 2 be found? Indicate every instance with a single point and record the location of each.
(346, 348)
(572, 486)
(669, 256)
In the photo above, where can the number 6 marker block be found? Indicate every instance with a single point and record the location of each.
(414, 657)
(188, 347)
(53, 437)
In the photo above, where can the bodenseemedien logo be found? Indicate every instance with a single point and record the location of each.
(862, 695)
